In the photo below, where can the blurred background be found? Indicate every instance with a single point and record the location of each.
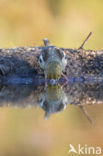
(65, 23)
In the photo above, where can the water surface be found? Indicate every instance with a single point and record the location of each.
(43, 121)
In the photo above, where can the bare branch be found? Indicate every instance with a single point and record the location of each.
(82, 45)
(86, 114)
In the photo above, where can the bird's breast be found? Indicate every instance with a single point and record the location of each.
(53, 70)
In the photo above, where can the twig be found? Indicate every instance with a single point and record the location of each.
(82, 45)
(86, 114)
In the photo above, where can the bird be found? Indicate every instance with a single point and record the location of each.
(53, 61)
(53, 100)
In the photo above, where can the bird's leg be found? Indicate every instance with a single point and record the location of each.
(82, 45)
(45, 79)
(65, 78)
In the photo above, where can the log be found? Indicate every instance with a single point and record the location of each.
(20, 65)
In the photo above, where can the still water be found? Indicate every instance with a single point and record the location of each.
(44, 121)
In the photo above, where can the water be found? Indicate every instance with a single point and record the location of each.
(38, 120)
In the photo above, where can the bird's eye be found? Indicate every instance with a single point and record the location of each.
(45, 54)
(60, 107)
(66, 57)
(40, 60)
(60, 53)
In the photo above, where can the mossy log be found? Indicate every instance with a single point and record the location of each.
(23, 62)
(20, 65)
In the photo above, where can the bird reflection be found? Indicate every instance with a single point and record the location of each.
(53, 98)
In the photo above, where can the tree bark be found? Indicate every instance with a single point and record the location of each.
(23, 62)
